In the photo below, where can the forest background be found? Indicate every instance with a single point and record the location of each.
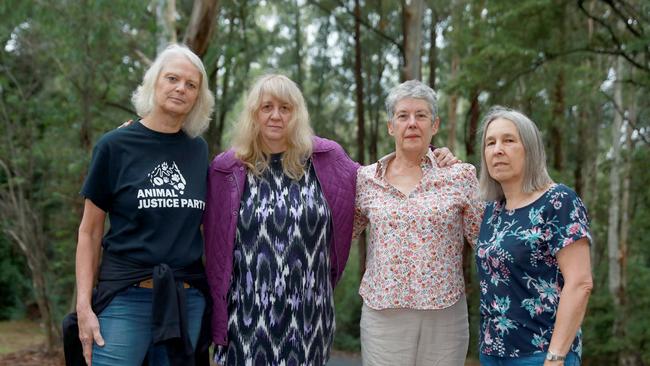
(579, 69)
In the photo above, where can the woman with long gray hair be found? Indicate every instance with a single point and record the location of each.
(532, 253)
(149, 178)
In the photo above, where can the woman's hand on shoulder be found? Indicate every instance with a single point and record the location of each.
(444, 157)
(89, 332)
(127, 123)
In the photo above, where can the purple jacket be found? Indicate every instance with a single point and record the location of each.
(337, 175)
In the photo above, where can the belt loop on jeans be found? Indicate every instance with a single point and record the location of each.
(148, 283)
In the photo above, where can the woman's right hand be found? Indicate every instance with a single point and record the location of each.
(127, 123)
(89, 333)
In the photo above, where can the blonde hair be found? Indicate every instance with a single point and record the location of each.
(198, 119)
(247, 142)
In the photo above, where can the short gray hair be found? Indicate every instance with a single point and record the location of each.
(535, 173)
(412, 89)
(198, 119)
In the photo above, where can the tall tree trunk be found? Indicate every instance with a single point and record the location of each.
(413, 13)
(472, 126)
(613, 229)
(452, 105)
(298, 40)
(166, 23)
(201, 26)
(211, 135)
(578, 177)
(375, 117)
(223, 107)
(625, 357)
(433, 54)
(558, 122)
(592, 141)
(376, 121)
(86, 89)
(215, 131)
(361, 123)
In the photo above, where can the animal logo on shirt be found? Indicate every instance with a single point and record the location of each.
(167, 174)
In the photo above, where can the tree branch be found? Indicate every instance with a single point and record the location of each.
(362, 22)
(621, 112)
(120, 107)
(624, 18)
(615, 39)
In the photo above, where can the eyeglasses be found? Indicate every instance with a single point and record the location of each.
(419, 117)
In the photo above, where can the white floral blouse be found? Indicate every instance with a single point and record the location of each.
(414, 252)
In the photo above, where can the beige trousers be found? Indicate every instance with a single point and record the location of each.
(406, 337)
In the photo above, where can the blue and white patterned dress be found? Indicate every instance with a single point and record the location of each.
(281, 305)
(519, 276)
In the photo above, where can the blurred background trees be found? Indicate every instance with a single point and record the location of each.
(579, 69)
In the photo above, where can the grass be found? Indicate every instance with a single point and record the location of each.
(17, 335)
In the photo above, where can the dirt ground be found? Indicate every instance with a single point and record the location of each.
(32, 358)
(21, 344)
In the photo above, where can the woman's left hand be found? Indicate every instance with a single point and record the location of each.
(127, 123)
(444, 157)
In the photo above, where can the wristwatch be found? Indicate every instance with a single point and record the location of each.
(550, 356)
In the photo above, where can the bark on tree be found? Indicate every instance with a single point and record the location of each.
(558, 122)
(223, 106)
(472, 126)
(413, 13)
(433, 54)
(166, 23)
(376, 120)
(201, 27)
(297, 34)
(215, 131)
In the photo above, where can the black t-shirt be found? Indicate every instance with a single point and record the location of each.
(153, 186)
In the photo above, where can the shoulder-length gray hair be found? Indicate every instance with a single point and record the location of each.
(411, 89)
(198, 119)
(535, 174)
(247, 142)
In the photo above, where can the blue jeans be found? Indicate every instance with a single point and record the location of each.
(572, 359)
(126, 327)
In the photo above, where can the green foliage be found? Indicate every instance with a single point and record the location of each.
(67, 70)
(14, 284)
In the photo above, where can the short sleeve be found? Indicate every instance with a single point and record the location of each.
(569, 221)
(97, 186)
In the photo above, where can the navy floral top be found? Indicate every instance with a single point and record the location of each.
(519, 276)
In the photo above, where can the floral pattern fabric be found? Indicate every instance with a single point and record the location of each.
(519, 276)
(414, 252)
